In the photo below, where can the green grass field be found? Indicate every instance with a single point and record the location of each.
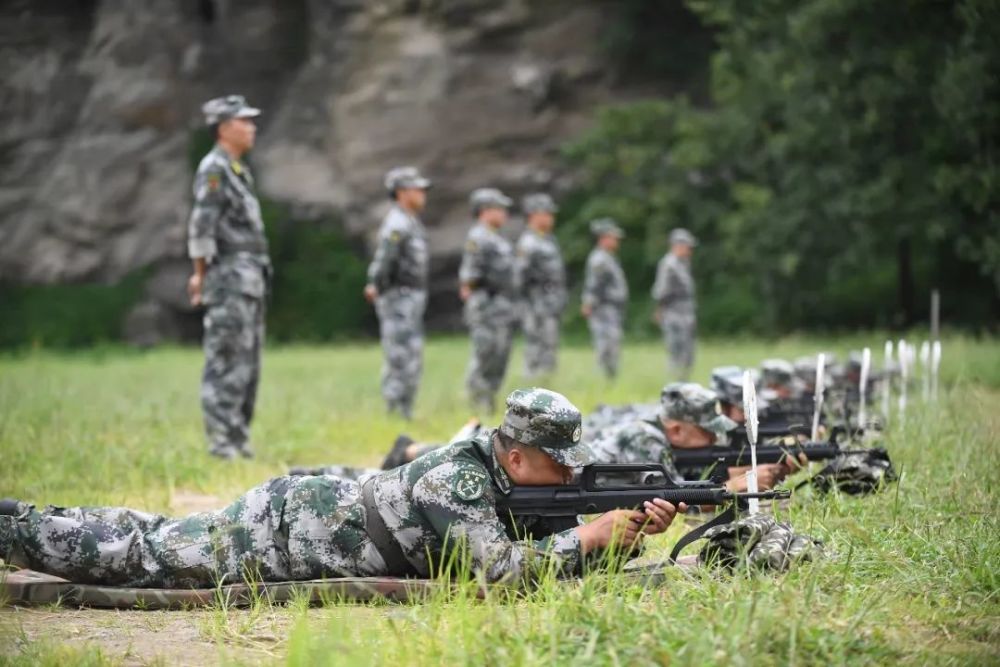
(911, 575)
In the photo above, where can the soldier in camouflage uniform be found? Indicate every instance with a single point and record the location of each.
(543, 285)
(404, 522)
(674, 295)
(605, 294)
(232, 270)
(487, 285)
(397, 285)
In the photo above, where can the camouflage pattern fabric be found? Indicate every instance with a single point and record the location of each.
(399, 273)
(690, 402)
(763, 542)
(543, 287)
(858, 473)
(606, 417)
(488, 268)
(635, 442)
(233, 339)
(226, 229)
(299, 528)
(606, 292)
(674, 293)
(548, 421)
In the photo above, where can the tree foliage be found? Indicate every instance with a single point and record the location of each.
(847, 163)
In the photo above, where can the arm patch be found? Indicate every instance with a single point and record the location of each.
(469, 484)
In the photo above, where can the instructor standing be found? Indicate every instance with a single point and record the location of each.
(674, 295)
(232, 270)
(397, 285)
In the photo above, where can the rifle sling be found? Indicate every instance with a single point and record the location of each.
(382, 539)
(726, 516)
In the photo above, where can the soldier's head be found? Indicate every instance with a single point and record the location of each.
(407, 187)
(231, 121)
(776, 376)
(538, 442)
(490, 206)
(727, 382)
(805, 369)
(682, 242)
(540, 212)
(689, 415)
(608, 233)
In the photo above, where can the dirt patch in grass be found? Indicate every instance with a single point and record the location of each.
(144, 637)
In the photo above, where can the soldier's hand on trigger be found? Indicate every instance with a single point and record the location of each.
(626, 527)
(371, 293)
(194, 289)
(770, 474)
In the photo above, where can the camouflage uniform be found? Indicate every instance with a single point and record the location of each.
(674, 294)
(399, 273)
(762, 541)
(605, 291)
(309, 527)
(226, 229)
(488, 269)
(646, 441)
(542, 278)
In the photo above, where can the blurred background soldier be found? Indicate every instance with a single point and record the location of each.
(232, 270)
(605, 294)
(397, 285)
(542, 278)
(673, 292)
(487, 286)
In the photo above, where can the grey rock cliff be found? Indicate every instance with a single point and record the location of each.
(100, 103)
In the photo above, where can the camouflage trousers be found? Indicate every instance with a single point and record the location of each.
(401, 325)
(605, 324)
(234, 336)
(491, 329)
(679, 333)
(289, 528)
(541, 341)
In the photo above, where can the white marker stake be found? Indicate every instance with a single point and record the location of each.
(925, 370)
(866, 364)
(818, 394)
(904, 376)
(750, 412)
(887, 380)
(935, 367)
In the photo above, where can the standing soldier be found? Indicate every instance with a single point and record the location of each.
(397, 285)
(487, 286)
(605, 294)
(674, 295)
(232, 270)
(543, 285)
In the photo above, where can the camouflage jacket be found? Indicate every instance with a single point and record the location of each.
(674, 285)
(635, 442)
(226, 229)
(541, 272)
(604, 283)
(488, 262)
(401, 255)
(447, 497)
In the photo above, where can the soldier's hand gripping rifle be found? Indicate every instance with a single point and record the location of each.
(604, 487)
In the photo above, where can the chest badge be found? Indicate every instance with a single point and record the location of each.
(236, 167)
(470, 484)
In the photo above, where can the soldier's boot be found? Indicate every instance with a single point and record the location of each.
(246, 451)
(8, 528)
(12, 507)
(397, 455)
(224, 452)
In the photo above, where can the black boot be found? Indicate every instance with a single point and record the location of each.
(397, 455)
(11, 507)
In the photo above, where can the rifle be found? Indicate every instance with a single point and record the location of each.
(602, 487)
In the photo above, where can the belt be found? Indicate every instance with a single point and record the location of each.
(258, 247)
(383, 540)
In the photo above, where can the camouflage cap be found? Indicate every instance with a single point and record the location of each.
(399, 178)
(776, 372)
(225, 108)
(489, 197)
(544, 419)
(681, 235)
(727, 382)
(690, 402)
(805, 367)
(538, 202)
(603, 226)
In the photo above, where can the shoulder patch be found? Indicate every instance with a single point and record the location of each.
(469, 484)
(213, 181)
